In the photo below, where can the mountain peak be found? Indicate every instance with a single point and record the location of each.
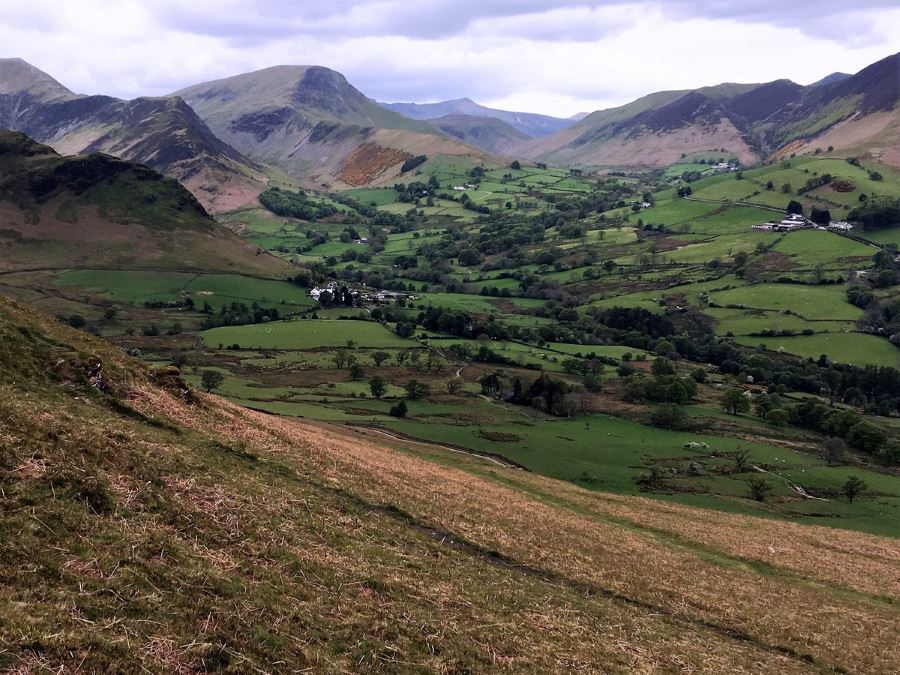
(17, 76)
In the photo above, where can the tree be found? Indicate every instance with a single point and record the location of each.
(515, 165)
(853, 487)
(380, 357)
(777, 417)
(866, 437)
(377, 386)
(741, 458)
(609, 266)
(795, 207)
(339, 358)
(759, 488)
(668, 416)
(820, 216)
(211, 379)
(356, 372)
(662, 366)
(834, 448)
(454, 387)
(398, 410)
(416, 390)
(735, 402)
(786, 189)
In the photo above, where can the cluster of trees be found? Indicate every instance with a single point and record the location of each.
(413, 163)
(294, 205)
(877, 213)
(544, 393)
(238, 314)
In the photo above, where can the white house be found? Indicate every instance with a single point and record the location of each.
(840, 226)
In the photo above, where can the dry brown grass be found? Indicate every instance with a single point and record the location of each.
(809, 597)
(241, 541)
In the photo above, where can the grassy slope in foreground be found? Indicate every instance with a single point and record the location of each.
(141, 531)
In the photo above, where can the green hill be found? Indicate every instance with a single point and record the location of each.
(101, 212)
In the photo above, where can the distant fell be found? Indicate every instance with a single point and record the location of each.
(531, 124)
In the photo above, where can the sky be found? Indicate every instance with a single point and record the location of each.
(556, 57)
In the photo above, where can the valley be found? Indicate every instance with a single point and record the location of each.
(274, 349)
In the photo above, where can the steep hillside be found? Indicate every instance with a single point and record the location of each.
(855, 114)
(147, 527)
(163, 133)
(489, 134)
(530, 124)
(308, 121)
(98, 211)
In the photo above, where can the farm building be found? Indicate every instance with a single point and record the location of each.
(840, 226)
(763, 227)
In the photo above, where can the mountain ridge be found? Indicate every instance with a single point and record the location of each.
(751, 121)
(162, 132)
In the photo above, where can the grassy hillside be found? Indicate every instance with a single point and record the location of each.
(136, 536)
(98, 211)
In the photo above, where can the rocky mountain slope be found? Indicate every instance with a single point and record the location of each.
(148, 527)
(163, 133)
(97, 211)
(313, 124)
(530, 124)
(855, 114)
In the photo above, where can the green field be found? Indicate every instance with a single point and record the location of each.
(809, 302)
(855, 348)
(305, 334)
(138, 287)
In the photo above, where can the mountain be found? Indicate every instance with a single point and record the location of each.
(530, 124)
(97, 211)
(148, 527)
(312, 123)
(831, 79)
(487, 133)
(163, 133)
(854, 114)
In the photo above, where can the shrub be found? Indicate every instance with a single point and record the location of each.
(668, 416)
(398, 410)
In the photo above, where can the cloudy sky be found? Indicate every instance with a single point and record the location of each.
(552, 56)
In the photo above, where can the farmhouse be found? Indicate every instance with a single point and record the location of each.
(763, 227)
(459, 188)
(793, 222)
(316, 292)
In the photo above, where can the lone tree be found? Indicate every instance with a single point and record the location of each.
(852, 488)
(741, 458)
(416, 390)
(211, 379)
(380, 357)
(834, 448)
(735, 402)
(398, 410)
(377, 386)
(454, 386)
(759, 488)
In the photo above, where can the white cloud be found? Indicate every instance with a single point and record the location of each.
(550, 56)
